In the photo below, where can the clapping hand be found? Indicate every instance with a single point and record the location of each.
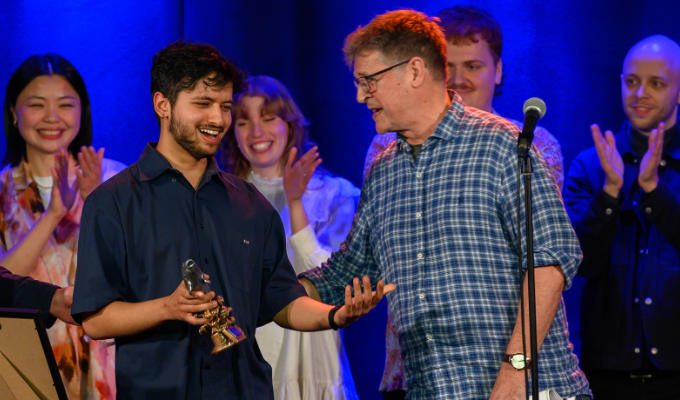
(90, 169)
(648, 177)
(296, 174)
(610, 160)
(63, 194)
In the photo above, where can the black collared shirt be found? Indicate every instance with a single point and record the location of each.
(136, 231)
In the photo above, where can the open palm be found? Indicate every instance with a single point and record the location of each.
(610, 160)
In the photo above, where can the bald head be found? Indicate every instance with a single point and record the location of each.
(650, 83)
(656, 47)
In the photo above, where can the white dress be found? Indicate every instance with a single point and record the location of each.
(310, 365)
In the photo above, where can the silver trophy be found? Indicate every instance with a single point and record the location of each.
(224, 332)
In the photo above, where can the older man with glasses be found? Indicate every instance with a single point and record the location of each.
(474, 47)
(437, 217)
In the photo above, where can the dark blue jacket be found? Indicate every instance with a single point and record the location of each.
(23, 292)
(630, 307)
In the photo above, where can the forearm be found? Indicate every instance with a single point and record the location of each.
(122, 318)
(308, 252)
(22, 258)
(310, 288)
(549, 283)
(298, 216)
(304, 314)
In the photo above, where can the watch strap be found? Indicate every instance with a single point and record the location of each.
(331, 318)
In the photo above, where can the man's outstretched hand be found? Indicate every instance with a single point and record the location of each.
(362, 302)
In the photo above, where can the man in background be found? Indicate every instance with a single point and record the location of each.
(474, 45)
(623, 197)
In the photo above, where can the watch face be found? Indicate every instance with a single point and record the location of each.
(517, 361)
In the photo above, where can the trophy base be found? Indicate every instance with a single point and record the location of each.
(226, 338)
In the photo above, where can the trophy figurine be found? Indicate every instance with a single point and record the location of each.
(221, 325)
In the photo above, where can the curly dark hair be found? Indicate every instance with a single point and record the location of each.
(33, 67)
(277, 101)
(400, 35)
(180, 65)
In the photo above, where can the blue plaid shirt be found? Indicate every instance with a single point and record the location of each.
(444, 229)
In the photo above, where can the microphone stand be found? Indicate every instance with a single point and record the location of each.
(526, 170)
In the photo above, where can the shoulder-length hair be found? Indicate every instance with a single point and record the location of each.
(33, 67)
(277, 101)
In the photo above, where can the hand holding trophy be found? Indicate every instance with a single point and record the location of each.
(221, 324)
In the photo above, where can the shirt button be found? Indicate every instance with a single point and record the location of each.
(636, 350)
(648, 301)
(608, 211)
(636, 300)
(662, 163)
(643, 251)
(654, 351)
(634, 202)
(421, 296)
(419, 175)
(648, 210)
(419, 214)
(420, 256)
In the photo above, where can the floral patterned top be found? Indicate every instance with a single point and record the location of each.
(86, 365)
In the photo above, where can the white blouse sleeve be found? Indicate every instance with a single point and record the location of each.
(330, 211)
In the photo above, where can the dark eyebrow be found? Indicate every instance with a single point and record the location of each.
(211, 99)
(67, 97)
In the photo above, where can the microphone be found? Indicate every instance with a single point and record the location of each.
(534, 109)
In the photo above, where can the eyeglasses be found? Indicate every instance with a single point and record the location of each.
(367, 82)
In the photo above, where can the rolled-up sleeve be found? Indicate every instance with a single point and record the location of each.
(353, 259)
(555, 242)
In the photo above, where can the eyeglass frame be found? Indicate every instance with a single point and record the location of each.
(365, 82)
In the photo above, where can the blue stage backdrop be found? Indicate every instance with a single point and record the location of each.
(567, 52)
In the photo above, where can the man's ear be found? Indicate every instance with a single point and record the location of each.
(417, 68)
(161, 105)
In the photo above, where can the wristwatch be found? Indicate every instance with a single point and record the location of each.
(518, 361)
